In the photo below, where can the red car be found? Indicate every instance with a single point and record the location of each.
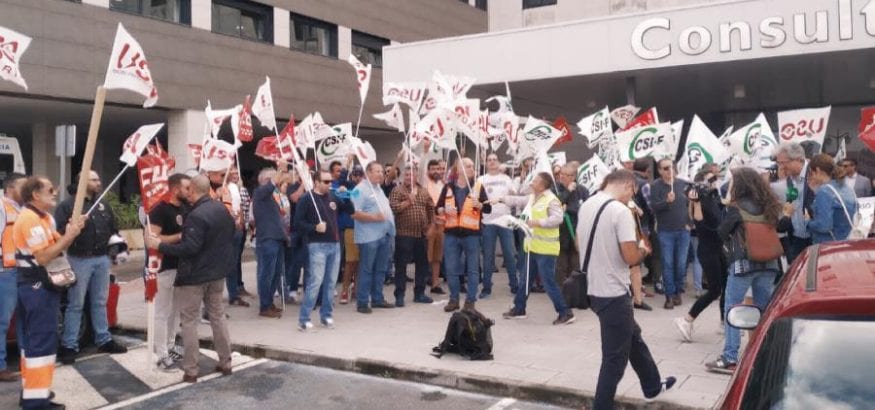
(814, 346)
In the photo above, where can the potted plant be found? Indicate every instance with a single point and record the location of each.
(127, 218)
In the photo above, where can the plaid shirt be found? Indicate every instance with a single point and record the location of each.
(414, 220)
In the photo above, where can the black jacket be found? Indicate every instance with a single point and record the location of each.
(206, 249)
(572, 201)
(99, 227)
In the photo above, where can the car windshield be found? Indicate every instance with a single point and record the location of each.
(814, 364)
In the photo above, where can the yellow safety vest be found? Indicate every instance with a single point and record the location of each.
(544, 241)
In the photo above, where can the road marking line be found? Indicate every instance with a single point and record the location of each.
(177, 386)
(502, 404)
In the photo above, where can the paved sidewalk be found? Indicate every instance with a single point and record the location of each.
(533, 358)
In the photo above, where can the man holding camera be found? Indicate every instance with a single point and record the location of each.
(671, 210)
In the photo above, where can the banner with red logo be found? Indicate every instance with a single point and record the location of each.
(12, 46)
(128, 68)
(410, 94)
(243, 122)
(262, 108)
(153, 170)
(805, 125)
(362, 75)
(645, 119)
(624, 114)
(267, 148)
(217, 155)
(217, 117)
(867, 127)
(137, 142)
(285, 141)
(195, 151)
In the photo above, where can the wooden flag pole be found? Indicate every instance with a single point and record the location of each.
(93, 129)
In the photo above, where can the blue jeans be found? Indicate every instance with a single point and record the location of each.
(373, 268)
(697, 266)
(763, 284)
(674, 245)
(296, 259)
(324, 265)
(545, 266)
(269, 254)
(232, 279)
(8, 300)
(508, 250)
(92, 277)
(454, 247)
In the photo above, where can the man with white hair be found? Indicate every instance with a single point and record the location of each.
(798, 197)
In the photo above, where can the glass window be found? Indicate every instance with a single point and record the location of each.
(481, 4)
(313, 36)
(814, 363)
(177, 11)
(368, 49)
(530, 4)
(244, 19)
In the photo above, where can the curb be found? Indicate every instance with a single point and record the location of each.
(558, 396)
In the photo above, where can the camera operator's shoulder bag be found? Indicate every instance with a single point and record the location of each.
(760, 238)
(574, 289)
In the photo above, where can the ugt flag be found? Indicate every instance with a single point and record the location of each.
(136, 143)
(129, 69)
(12, 46)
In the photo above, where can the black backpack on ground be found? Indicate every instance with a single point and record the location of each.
(469, 335)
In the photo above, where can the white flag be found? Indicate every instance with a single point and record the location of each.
(136, 143)
(537, 136)
(362, 75)
(806, 125)
(319, 130)
(393, 118)
(542, 164)
(724, 138)
(591, 173)
(303, 137)
(643, 141)
(439, 125)
(12, 46)
(557, 158)
(217, 155)
(410, 94)
(624, 114)
(262, 108)
(754, 143)
(217, 117)
(866, 211)
(363, 151)
(596, 127)
(129, 69)
(337, 146)
(702, 147)
(674, 139)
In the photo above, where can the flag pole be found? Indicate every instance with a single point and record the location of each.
(108, 187)
(150, 312)
(90, 145)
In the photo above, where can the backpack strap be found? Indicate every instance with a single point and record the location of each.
(842, 203)
(595, 225)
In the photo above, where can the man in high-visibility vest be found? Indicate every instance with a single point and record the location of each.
(9, 211)
(460, 207)
(544, 216)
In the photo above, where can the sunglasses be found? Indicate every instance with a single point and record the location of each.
(326, 181)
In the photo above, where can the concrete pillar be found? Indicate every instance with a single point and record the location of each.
(281, 27)
(98, 3)
(344, 42)
(202, 14)
(184, 127)
(43, 153)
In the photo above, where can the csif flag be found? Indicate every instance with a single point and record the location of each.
(642, 142)
(591, 173)
(12, 46)
(537, 137)
(129, 69)
(136, 143)
(335, 147)
(702, 147)
(596, 127)
(754, 143)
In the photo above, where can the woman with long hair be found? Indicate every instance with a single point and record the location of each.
(751, 198)
(834, 201)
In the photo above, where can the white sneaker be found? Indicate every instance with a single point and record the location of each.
(305, 327)
(685, 328)
(167, 365)
(328, 323)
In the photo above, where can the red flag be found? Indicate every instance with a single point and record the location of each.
(867, 127)
(150, 273)
(153, 170)
(245, 133)
(286, 139)
(268, 149)
(562, 124)
(646, 118)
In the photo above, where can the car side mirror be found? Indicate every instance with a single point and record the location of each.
(744, 317)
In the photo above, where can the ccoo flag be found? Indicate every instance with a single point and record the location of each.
(129, 69)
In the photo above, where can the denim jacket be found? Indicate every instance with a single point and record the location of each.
(829, 222)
